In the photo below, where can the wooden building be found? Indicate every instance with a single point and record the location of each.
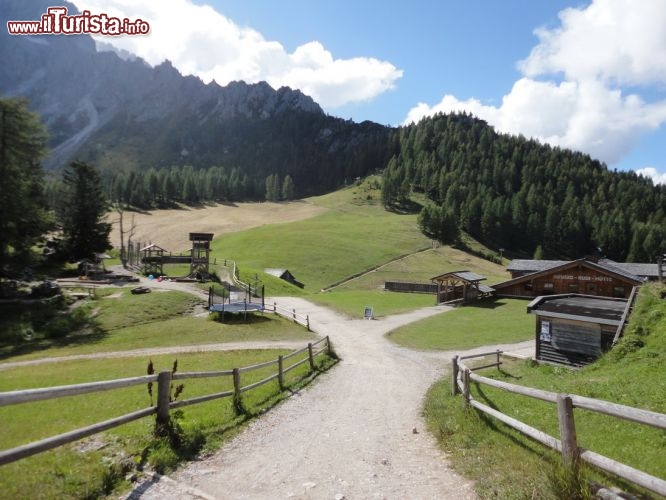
(460, 285)
(285, 275)
(579, 276)
(576, 329)
(648, 272)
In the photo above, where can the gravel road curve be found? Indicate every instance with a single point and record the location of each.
(356, 433)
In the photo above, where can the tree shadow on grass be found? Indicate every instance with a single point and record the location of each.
(13, 345)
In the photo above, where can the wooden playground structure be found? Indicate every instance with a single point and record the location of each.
(154, 257)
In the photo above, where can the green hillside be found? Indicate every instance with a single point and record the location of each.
(354, 236)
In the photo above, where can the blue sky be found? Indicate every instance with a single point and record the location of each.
(588, 75)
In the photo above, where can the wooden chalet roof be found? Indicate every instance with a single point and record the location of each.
(604, 268)
(529, 265)
(640, 270)
(278, 273)
(153, 247)
(580, 307)
(467, 276)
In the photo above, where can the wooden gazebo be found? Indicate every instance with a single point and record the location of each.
(460, 286)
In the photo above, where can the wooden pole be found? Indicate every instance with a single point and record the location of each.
(454, 375)
(565, 418)
(466, 389)
(163, 396)
(281, 372)
(307, 322)
(498, 359)
(311, 357)
(238, 404)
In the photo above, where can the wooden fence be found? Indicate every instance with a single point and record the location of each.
(163, 406)
(289, 314)
(409, 287)
(567, 443)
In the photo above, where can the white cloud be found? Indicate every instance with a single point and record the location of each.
(616, 41)
(200, 41)
(573, 92)
(652, 173)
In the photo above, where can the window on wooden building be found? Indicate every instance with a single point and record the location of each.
(618, 291)
(591, 288)
(573, 287)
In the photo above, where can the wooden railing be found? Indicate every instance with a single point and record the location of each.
(567, 443)
(289, 314)
(163, 406)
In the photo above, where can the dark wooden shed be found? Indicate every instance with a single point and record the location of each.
(285, 275)
(574, 329)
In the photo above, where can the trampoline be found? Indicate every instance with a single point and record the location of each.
(236, 307)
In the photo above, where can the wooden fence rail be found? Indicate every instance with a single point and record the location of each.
(290, 314)
(163, 406)
(567, 443)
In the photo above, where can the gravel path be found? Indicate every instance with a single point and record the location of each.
(356, 433)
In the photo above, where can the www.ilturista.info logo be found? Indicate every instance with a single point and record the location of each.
(55, 21)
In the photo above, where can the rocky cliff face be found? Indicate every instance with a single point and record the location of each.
(118, 112)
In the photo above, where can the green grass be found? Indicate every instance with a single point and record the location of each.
(86, 468)
(481, 323)
(505, 464)
(354, 235)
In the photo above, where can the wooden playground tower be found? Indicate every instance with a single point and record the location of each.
(154, 258)
(200, 253)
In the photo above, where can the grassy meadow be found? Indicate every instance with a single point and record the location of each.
(483, 323)
(98, 466)
(506, 464)
(115, 320)
(354, 237)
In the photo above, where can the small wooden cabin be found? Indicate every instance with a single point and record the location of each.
(460, 285)
(284, 274)
(574, 329)
(580, 276)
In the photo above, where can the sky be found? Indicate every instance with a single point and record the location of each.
(586, 75)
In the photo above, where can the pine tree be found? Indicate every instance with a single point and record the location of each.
(288, 188)
(23, 215)
(81, 212)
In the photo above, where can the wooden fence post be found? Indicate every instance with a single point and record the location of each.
(307, 321)
(238, 404)
(466, 389)
(281, 372)
(565, 418)
(293, 315)
(163, 396)
(454, 376)
(498, 358)
(311, 357)
(328, 345)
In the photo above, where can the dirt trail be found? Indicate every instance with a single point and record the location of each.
(357, 433)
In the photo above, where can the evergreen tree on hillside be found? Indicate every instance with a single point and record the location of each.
(288, 188)
(273, 188)
(518, 194)
(23, 215)
(81, 212)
